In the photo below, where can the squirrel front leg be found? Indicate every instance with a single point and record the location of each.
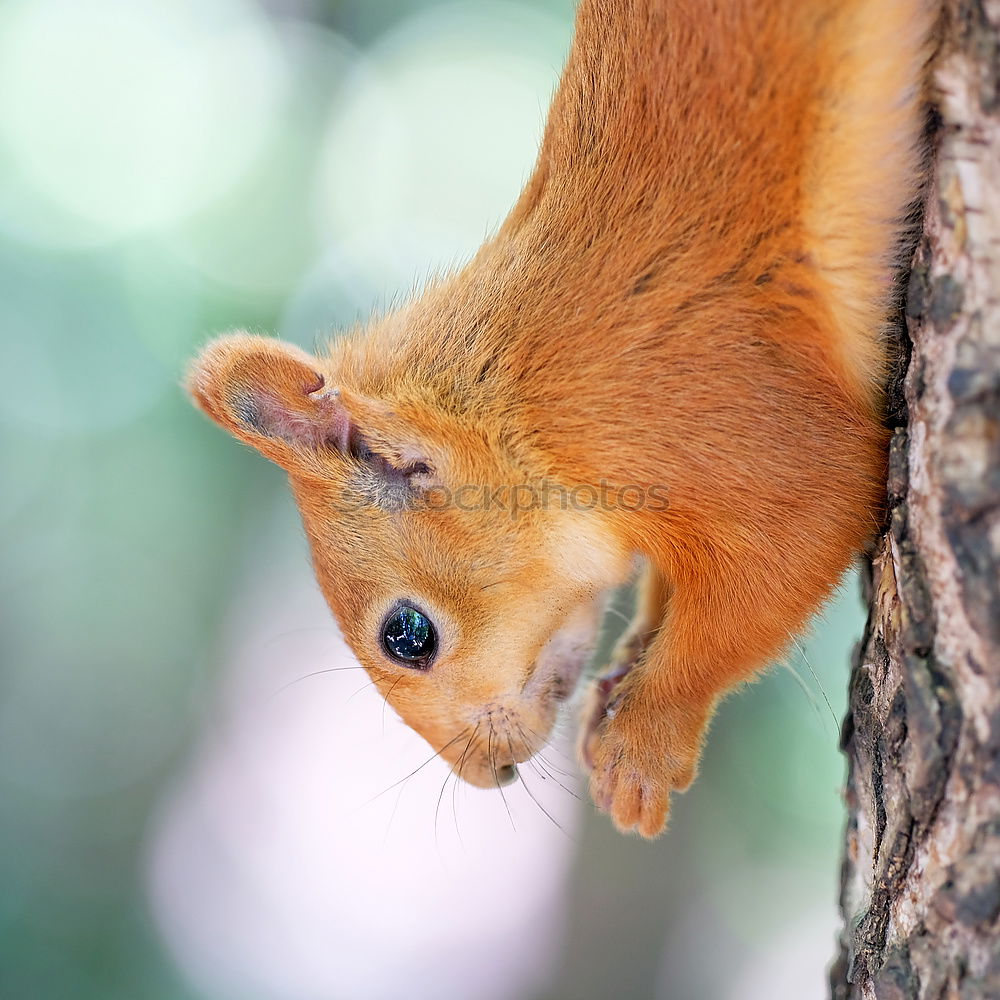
(651, 599)
(719, 626)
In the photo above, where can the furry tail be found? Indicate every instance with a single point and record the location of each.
(862, 179)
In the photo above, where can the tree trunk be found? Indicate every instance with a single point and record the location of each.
(921, 873)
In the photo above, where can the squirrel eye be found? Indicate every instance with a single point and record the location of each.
(409, 637)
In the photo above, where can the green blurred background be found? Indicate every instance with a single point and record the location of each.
(173, 169)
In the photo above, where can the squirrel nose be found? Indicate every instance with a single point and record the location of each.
(506, 774)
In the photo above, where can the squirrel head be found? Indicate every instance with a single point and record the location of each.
(463, 581)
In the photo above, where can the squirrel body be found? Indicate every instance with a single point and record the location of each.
(687, 302)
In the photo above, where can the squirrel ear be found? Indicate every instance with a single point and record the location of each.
(270, 395)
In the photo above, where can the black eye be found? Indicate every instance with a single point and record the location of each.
(409, 636)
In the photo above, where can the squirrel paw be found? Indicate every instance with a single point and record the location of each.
(638, 755)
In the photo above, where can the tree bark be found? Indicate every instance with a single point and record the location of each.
(921, 873)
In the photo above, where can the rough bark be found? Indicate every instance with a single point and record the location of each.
(921, 873)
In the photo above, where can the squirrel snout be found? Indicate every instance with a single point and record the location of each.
(486, 774)
(507, 774)
(491, 760)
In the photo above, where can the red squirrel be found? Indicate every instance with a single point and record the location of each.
(672, 351)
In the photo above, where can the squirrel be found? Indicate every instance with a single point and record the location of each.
(672, 353)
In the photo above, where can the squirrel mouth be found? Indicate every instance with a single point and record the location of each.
(505, 775)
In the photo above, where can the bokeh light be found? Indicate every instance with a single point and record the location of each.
(440, 126)
(127, 114)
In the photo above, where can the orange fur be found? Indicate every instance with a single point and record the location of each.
(690, 293)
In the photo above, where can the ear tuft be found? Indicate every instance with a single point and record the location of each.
(270, 395)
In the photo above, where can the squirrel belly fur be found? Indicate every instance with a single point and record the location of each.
(687, 301)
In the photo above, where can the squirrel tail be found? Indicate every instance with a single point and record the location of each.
(862, 179)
